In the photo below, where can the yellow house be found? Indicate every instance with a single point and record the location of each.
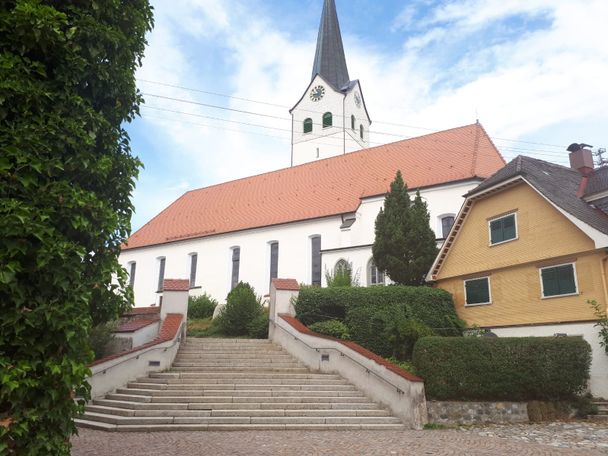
(528, 250)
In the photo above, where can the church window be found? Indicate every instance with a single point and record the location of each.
(328, 119)
(274, 260)
(315, 242)
(374, 275)
(308, 125)
(132, 267)
(161, 273)
(361, 131)
(342, 267)
(352, 122)
(447, 221)
(236, 263)
(193, 266)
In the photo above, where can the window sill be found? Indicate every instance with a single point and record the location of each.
(560, 296)
(503, 242)
(478, 304)
(195, 288)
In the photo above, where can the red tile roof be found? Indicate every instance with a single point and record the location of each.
(168, 332)
(144, 310)
(299, 326)
(324, 187)
(134, 325)
(286, 284)
(176, 285)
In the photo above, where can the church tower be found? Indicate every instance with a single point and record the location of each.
(331, 118)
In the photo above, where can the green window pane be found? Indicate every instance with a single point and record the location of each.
(328, 120)
(558, 280)
(508, 227)
(503, 229)
(477, 291)
(496, 231)
(307, 125)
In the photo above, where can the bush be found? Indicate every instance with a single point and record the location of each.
(370, 312)
(100, 339)
(496, 369)
(333, 328)
(258, 327)
(242, 307)
(200, 307)
(403, 335)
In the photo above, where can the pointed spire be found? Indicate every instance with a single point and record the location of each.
(330, 61)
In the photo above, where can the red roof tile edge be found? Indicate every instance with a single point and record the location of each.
(299, 326)
(135, 325)
(144, 310)
(167, 333)
(176, 285)
(286, 284)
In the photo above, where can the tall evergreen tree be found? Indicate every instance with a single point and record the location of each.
(405, 245)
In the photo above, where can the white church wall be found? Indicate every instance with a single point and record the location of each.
(214, 267)
(327, 142)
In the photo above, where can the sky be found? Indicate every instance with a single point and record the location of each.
(220, 76)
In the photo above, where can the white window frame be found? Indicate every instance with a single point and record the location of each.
(498, 218)
(542, 287)
(131, 278)
(157, 273)
(189, 268)
(370, 273)
(440, 225)
(464, 285)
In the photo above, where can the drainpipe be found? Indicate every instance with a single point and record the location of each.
(344, 122)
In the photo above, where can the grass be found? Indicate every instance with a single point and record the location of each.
(200, 328)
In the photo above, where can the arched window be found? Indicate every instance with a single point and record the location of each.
(352, 122)
(328, 120)
(361, 131)
(374, 275)
(308, 125)
(341, 267)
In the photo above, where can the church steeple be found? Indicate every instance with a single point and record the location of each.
(330, 61)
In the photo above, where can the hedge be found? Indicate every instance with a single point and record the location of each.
(370, 312)
(497, 369)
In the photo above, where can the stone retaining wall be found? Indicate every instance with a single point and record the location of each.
(466, 413)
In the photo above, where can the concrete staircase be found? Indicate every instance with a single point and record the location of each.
(236, 384)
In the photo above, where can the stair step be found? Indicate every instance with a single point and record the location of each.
(236, 376)
(242, 369)
(238, 387)
(242, 382)
(258, 427)
(237, 393)
(238, 399)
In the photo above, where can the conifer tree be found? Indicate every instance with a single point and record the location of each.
(405, 245)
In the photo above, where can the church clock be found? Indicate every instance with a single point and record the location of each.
(317, 93)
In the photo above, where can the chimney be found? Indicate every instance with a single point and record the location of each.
(581, 158)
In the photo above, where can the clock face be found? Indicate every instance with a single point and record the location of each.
(317, 93)
(357, 99)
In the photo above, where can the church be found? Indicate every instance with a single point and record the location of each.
(314, 216)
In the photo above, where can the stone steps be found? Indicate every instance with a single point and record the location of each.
(235, 384)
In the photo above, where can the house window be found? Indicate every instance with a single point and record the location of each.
(477, 291)
(374, 275)
(352, 122)
(361, 131)
(328, 120)
(316, 260)
(161, 273)
(132, 267)
(503, 229)
(236, 263)
(193, 265)
(446, 225)
(308, 125)
(558, 280)
(274, 260)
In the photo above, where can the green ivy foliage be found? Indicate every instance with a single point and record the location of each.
(404, 245)
(503, 369)
(67, 87)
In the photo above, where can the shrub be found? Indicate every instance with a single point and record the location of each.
(333, 328)
(342, 276)
(200, 307)
(403, 335)
(514, 369)
(370, 312)
(258, 327)
(242, 307)
(100, 339)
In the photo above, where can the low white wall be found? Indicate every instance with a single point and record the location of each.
(403, 397)
(598, 383)
(117, 372)
(141, 336)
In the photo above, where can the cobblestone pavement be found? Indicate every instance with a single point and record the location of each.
(558, 435)
(503, 440)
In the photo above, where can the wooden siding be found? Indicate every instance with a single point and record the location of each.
(544, 237)
(539, 225)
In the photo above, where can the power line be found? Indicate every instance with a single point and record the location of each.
(560, 147)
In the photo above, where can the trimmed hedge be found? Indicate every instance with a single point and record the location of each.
(333, 328)
(496, 369)
(370, 313)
